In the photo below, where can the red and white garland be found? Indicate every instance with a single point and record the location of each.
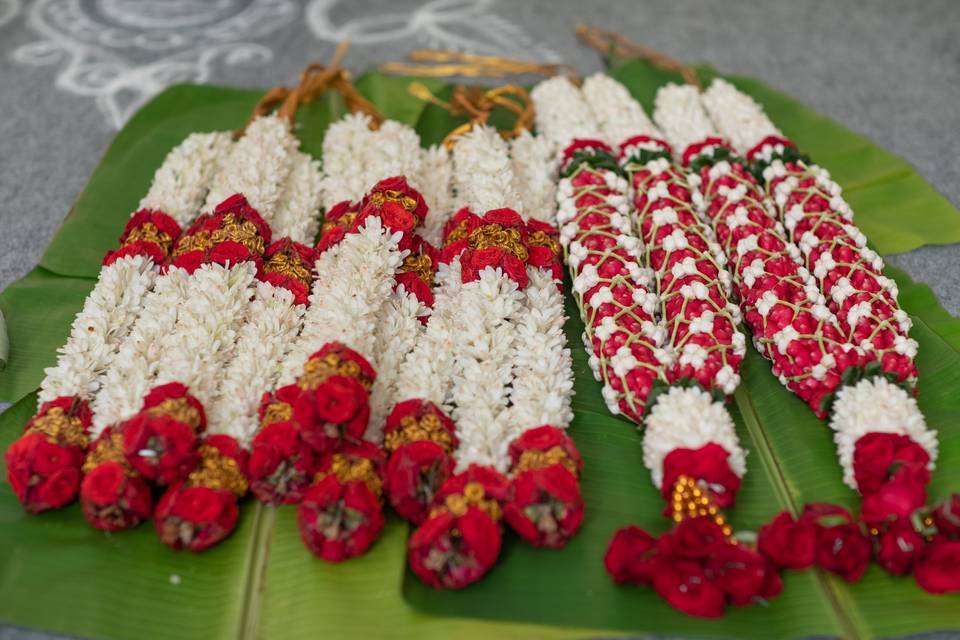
(63, 420)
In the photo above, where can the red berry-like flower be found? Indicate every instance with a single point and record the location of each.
(452, 551)
(938, 569)
(709, 465)
(335, 412)
(546, 507)
(686, 587)
(789, 543)
(339, 520)
(414, 474)
(160, 448)
(744, 575)
(114, 499)
(282, 465)
(631, 555)
(842, 546)
(877, 457)
(899, 547)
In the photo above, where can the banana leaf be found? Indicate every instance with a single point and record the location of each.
(56, 573)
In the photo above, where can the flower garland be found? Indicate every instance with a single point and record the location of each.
(884, 445)
(448, 475)
(110, 310)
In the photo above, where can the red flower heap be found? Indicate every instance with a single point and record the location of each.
(337, 222)
(148, 233)
(612, 292)
(398, 205)
(498, 241)
(419, 440)
(282, 464)
(160, 442)
(202, 510)
(341, 513)
(233, 233)
(289, 264)
(417, 271)
(460, 540)
(43, 464)
(114, 496)
(545, 506)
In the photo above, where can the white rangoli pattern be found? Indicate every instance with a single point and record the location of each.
(461, 25)
(123, 52)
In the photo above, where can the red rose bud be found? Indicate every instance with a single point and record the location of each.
(148, 232)
(788, 543)
(946, 517)
(709, 466)
(43, 465)
(113, 495)
(341, 514)
(282, 465)
(546, 507)
(336, 223)
(414, 474)
(842, 546)
(745, 576)
(631, 555)
(938, 569)
(202, 510)
(543, 446)
(877, 457)
(335, 412)
(452, 551)
(899, 547)
(289, 264)
(159, 441)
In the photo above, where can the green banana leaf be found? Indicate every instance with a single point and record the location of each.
(56, 573)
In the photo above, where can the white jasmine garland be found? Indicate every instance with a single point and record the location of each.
(296, 216)
(258, 166)
(395, 152)
(353, 280)
(562, 115)
(436, 179)
(876, 405)
(132, 371)
(618, 115)
(483, 175)
(272, 324)
(204, 336)
(678, 112)
(737, 116)
(533, 176)
(688, 418)
(347, 147)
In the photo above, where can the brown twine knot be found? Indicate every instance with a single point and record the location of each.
(315, 79)
(611, 43)
(478, 104)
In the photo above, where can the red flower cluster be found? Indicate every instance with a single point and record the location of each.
(43, 464)
(460, 540)
(825, 534)
(397, 204)
(709, 466)
(500, 242)
(149, 233)
(341, 514)
(695, 567)
(545, 506)
(892, 473)
(202, 510)
(289, 264)
(774, 300)
(603, 262)
(233, 233)
(833, 242)
(160, 441)
(676, 245)
(114, 496)
(418, 269)
(420, 440)
(327, 408)
(337, 222)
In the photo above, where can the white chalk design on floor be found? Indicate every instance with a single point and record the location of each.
(123, 52)
(462, 25)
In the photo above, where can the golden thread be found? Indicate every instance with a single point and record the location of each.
(354, 470)
(421, 265)
(429, 427)
(107, 450)
(457, 233)
(148, 232)
(242, 232)
(690, 501)
(536, 459)
(178, 409)
(217, 471)
(60, 428)
(542, 239)
(317, 370)
(379, 197)
(276, 412)
(494, 235)
(474, 495)
(288, 266)
(345, 221)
